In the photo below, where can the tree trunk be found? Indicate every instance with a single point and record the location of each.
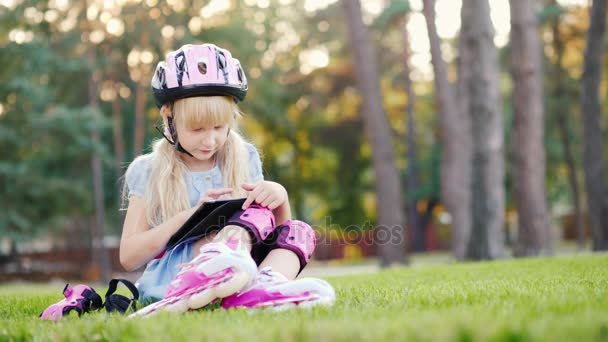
(560, 107)
(100, 257)
(390, 230)
(141, 90)
(455, 140)
(140, 118)
(592, 138)
(117, 134)
(533, 237)
(418, 241)
(487, 187)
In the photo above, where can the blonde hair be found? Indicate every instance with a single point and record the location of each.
(166, 193)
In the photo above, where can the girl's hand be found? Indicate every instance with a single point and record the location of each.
(213, 195)
(210, 195)
(267, 194)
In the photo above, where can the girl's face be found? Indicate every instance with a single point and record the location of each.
(203, 123)
(202, 141)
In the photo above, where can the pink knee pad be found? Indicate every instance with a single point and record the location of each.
(298, 237)
(80, 298)
(258, 221)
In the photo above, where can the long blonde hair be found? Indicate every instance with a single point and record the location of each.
(166, 193)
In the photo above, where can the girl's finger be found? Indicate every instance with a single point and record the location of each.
(252, 195)
(218, 192)
(248, 186)
(260, 198)
(257, 191)
(275, 204)
(203, 200)
(224, 197)
(248, 201)
(221, 190)
(266, 202)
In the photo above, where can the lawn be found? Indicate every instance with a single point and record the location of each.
(541, 299)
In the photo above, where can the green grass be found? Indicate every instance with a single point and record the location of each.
(555, 299)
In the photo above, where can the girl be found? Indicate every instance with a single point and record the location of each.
(203, 158)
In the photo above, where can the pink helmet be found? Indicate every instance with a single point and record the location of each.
(198, 70)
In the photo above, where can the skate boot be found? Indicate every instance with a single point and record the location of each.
(272, 290)
(217, 272)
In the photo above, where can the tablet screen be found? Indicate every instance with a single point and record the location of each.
(209, 216)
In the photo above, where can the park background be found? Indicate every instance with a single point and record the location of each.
(472, 130)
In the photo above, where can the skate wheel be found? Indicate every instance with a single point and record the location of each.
(200, 299)
(238, 281)
(179, 306)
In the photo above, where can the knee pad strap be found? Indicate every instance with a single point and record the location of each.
(298, 237)
(258, 221)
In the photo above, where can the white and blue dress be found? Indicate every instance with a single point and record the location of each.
(159, 272)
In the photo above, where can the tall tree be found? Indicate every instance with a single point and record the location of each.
(141, 90)
(397, 15)
(117, 134)
(455, 141)
(100, 258)
(484, 108)
(390, 231)
(416, 229)
(560, 107)
(593, 154)
(533, 237)
(53, 187)
(99, 254)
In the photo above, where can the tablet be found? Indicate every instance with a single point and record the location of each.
(209, 217)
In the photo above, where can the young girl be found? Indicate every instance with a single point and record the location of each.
(202, 158)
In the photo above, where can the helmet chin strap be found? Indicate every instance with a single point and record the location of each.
(173, 133)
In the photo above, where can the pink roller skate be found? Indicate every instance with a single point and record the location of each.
(217, 272)
(271, 289)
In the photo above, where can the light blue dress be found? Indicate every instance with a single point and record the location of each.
(159, 272)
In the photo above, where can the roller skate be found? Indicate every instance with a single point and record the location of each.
(272, 290)
(217, 272)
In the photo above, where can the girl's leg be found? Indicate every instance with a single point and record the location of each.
(286, 252)
(233, 235)
(242, 230)
(224, 268)
(201, 242)
(236, 237)
(288, 238)
(291, 246)
(283, 261)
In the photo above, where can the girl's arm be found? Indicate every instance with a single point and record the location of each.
(282, 213)
(138, 243)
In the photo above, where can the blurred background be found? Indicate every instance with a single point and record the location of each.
(467, 128)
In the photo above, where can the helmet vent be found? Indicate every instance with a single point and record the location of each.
(202, 67)
(239, 73)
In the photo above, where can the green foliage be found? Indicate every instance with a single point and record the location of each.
(558, 299)
(393, 12)
(550, 12)
(562, 99)
(44, 141)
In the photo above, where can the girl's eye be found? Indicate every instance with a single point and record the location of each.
(217, 127)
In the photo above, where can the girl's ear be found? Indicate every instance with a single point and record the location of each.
(165, 111)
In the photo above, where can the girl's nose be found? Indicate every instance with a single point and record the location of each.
(208, 140)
